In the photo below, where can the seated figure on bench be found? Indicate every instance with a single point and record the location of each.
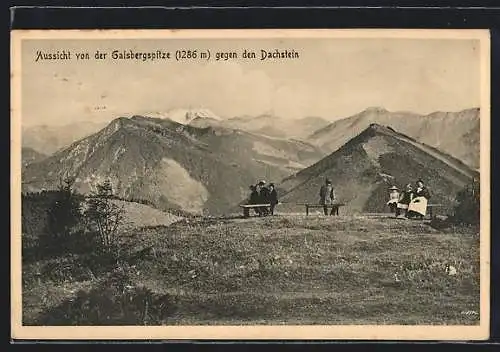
(255, 199)
(404, 201)
(393, 199)
(418, 205)
(327, 196)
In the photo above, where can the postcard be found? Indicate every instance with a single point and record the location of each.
(250, 184)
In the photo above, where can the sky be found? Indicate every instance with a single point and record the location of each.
(333, 78)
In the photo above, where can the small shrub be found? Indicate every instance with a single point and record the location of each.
(115, 302)
(468, 209)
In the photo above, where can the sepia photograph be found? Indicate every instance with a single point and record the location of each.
(250, 184)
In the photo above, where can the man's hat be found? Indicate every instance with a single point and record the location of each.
(420, 180)
(271, 185)
(262, 182)
(328, 181)
(393, 188)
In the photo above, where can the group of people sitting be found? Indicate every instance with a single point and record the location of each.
(411, 202)
(262, 194)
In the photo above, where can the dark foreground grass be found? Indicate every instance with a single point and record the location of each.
(281, 270)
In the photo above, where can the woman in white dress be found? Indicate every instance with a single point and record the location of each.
(418, 206)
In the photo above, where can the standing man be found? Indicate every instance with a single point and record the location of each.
(273, 197)
(327, 196)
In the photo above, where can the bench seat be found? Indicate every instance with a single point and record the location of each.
(335, 207)
(247, 207)
(431, 207)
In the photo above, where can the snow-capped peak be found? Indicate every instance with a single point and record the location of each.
(183, 115)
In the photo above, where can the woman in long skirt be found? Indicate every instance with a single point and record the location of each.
(418, 206)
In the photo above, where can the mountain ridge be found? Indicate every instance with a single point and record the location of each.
(456, 133)
(171, 164)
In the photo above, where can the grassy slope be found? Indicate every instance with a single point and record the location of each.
(269, 271)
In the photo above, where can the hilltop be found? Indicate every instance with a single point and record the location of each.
(455, 133)
(363, 168)
(171, 165)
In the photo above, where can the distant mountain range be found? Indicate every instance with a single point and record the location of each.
(365, 167)
(49, 139)
(275, 126)
(456, 133)
(172, 165)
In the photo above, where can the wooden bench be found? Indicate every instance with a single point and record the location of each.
(335, 207)
(432, 206)
(247, 207)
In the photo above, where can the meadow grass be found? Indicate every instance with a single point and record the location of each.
(275, 270)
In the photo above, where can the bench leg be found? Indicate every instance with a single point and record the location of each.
(307, 210)
(335, 210)
(246, 212)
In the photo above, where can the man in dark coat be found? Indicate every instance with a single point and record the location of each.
(254, 198)
(405, 197)
(327, 196)
(273, 197)
(264, 197)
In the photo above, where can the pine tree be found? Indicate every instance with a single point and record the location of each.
(104, 215)
(63, 216)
